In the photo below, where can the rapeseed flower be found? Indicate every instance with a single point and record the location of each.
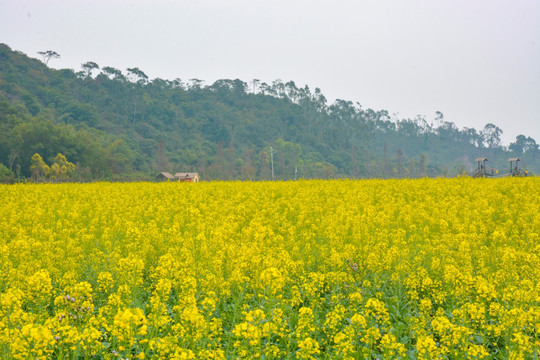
(428, 268)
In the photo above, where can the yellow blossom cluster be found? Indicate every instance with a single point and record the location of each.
(343, 269)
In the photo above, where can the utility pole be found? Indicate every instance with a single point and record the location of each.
(272, 160)
(295, 172)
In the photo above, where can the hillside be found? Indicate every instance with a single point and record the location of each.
(122, 126)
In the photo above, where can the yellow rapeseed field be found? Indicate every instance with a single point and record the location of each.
(371, 269)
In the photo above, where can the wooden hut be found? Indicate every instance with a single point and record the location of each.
(514, 168)
(165, 176)
(187, 177)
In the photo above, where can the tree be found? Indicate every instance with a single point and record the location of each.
(265, 88)
(279, 88)
(255, 83)
(472, 136)
(178, 83)
(61, 169)
(88, 67)
(111, 72)
(422, 164)
(519, 145)
(38, 168)
(48, 55)
(448, 130)
(6, 175)
(531, 145)
(320, 100)
(492, 135)
(412, 167)
(138, 75)
(46, 111)
(291, 91)
(439, 118)
(523, 144)
(162, 162)
(12, 157)
(196, 84)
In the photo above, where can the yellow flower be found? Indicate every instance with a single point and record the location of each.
(301, 269)
(307, 348)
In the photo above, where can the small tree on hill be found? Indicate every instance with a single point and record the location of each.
(38, 168)
(48, 55)
(61, 169)
(137, 75)
(88, 67)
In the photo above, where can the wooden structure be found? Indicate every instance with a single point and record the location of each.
(165, 176)
(480, 170)
(188, 177)
(514, 168)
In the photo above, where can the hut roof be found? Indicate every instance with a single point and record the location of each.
(481, 159)
(186, 175)
(513, 159)
(166, 174)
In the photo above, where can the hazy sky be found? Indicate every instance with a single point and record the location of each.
(476, 61)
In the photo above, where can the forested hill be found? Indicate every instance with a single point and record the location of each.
(120, 125)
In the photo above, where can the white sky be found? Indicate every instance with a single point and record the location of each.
(476, 61)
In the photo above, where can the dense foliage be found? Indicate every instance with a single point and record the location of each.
(342, 269)
(123, 125)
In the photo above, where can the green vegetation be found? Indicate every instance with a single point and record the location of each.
(122, 126)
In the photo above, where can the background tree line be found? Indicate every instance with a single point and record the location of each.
(122, 125)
